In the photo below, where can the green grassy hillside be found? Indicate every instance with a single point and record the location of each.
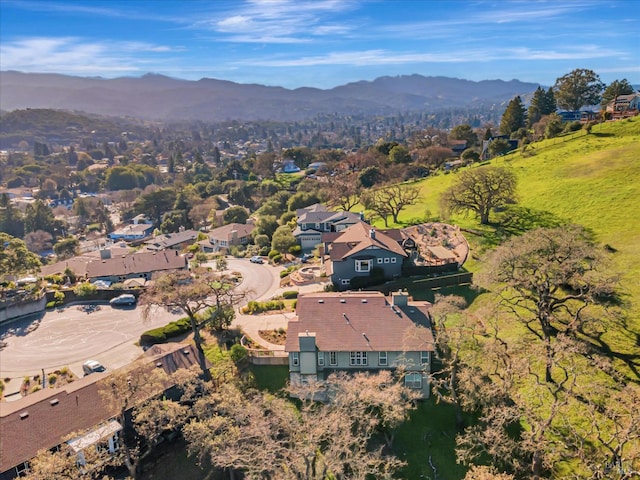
(589, 179)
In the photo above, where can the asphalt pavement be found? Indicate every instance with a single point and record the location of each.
(69, 336)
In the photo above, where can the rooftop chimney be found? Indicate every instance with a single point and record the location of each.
(399, 298)
(105, 253)
(372, 234)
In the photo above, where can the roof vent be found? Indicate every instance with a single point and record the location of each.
(185, 351)
(24, 415)
(159, 364)
(320, 300)
(54, 402)
(343, 300)
(365, 337)
(364, 300)
(345, 317)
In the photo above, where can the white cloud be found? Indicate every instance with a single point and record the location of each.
(73, 55)
(388, 57)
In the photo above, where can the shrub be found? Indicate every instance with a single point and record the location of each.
(254, 307)
(85, 289)
(273, 253)
(51, 304)
(277, 258)
(58, 297)
(289, 294)
(161, 334)
(295, 250)
(52, 378)
(238, 353)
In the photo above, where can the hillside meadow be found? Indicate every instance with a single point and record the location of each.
(587, 179)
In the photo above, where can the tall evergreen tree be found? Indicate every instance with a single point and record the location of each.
(534, 113)
(549, 105)
(513, 117)
(615, 88)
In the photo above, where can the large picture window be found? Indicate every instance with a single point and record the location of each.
(363, 265)
(358, 358)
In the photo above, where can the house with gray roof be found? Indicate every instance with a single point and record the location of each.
(316, 219)
(358, 250)
(360, 331)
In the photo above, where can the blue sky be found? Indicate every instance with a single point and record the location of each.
(322, 43)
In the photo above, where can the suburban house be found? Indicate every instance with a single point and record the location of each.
(173, 241)
(485, 155)
(44, 419)
(315, 220)
(139, 228)
(222, 238)
(624, 106)
(360, 331)
(358, 250)
(136, 265)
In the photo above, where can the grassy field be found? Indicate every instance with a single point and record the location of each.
(591, 180)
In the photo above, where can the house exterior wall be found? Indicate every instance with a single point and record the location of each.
(319, 365)
(345, 270)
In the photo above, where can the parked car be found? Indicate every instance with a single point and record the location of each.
(256, 259)
(124, 299)
(92, 366)
(306, 257)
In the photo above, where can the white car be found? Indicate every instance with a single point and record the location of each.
(124, 299)
(92, 366)
(256, 259)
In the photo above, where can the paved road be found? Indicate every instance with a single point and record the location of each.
(70, 336)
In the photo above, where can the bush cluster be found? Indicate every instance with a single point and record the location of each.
(289, 294)
(254, 307)
(161, 334)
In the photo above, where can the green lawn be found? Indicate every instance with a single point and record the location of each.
(430, 432)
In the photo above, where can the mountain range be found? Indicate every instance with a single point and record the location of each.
(158, 97)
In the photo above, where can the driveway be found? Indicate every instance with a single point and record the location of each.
(69, 336)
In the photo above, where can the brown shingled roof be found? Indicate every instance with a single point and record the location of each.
(136, 263)
(54, 413)
(339, 321)
(358, 237)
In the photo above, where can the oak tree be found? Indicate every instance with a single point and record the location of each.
(206, 297)
(480, 190)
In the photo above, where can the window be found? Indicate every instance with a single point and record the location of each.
(295, 359)
(386, 260)
(22, 469)
(363, 265)
(382, 358)
(393, 260)
(424, 358)
(333, 358)
(345, 281)
(321, 358)
(413, 380)
(379, 260)
(358, 358)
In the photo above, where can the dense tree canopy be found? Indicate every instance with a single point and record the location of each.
(14, 256)
(578, 88)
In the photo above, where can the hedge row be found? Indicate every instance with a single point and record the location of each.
(161, 334)
(259, 307)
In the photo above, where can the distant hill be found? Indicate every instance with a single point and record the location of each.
(56, 126)
(158, 97)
